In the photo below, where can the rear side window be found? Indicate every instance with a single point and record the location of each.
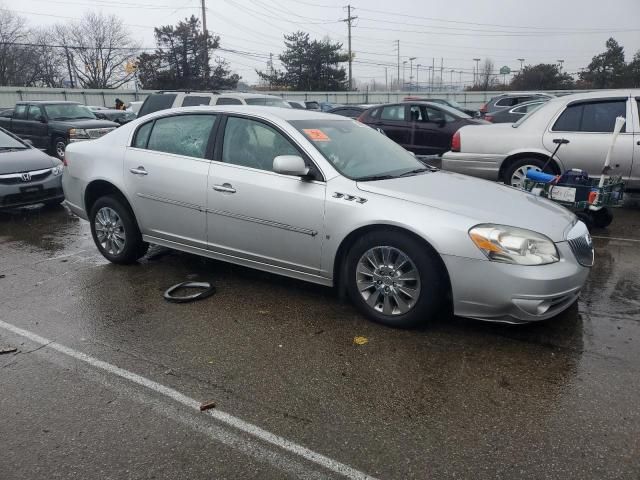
(195, 100)
(393, 112)
(507, 102)
(186, 135)
(598, 117)
(142, 136)
(375, 113)
(20, 112)
(228, 101)
(156, 102)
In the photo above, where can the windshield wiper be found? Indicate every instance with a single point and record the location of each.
(10, 149)
(416, 171)
(371, 178)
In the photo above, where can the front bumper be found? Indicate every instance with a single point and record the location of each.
(23, 194)
(500, 292)
(482, 165)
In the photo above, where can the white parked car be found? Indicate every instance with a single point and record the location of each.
(326, 199)
(506, 151)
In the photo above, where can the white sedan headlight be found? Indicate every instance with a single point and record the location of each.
(505, 244)
(57, 170)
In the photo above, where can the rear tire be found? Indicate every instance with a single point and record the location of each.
(115, 231)
(515, 173)
(394, 280)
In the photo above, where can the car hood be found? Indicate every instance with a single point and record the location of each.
(25, 161)
(479, 200)
(85, 123)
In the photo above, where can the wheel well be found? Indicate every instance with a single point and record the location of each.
(339, 262)
(510, 160)
(100, 188)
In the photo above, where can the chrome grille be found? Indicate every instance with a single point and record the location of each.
(16, 178)
(582, 248)
(98, 132)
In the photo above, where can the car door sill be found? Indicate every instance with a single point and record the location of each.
(287, 272)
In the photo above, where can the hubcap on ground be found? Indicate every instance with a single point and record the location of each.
(110, 230)
(388, 280)
(517, 179)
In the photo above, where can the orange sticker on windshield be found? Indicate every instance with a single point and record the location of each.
(316, 135)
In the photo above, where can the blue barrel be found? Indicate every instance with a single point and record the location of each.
(540, 176)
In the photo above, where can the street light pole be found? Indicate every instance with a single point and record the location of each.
(561, 62)
(418, 77)
(521, 60)
(404, 69)
(477, 71)
(411, 59)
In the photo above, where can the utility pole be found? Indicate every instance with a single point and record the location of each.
(349, 20)
(386, 82)
(398, 47)
(404, 69)
(476, 73)
(418, 77)
(66, 51)
(521, 60)
(206, 43)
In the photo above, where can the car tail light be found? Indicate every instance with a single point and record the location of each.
(483, 108)
(362, 117)
(455, 142)
(488, 118)
(64, 159)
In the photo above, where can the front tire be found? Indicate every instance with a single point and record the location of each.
(602, 218)
(115, 231)
(394, 279)
(58, 147)
(515, 173)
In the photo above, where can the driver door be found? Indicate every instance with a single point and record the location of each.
(256, 214)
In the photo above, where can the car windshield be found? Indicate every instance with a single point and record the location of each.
(68, 111)
(527, 116)
(358, 151)
(7, 142)
(268, 102)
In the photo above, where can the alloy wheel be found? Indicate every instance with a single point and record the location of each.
(517, 179)
(60, 148)
(110, 231)
(388, 280)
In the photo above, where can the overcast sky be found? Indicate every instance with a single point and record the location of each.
(455, 30)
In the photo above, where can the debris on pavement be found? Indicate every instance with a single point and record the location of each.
(360, 340)
(207, 292)
(7, 349)
(207, 406)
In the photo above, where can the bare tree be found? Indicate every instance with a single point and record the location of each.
(13, 35)
(486, 76)
(98, 48)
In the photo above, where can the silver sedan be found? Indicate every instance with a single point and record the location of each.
(331, 201)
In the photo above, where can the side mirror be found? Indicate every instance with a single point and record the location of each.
(290, 165)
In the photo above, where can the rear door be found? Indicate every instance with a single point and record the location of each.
(165, 172)
(431, 130)
(634, 177)
(393, 120)
(588, 125)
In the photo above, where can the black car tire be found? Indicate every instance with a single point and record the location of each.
(134, 246)
(586, 218)
(602, 218)
(57, 141)
(524, 162)
(431, 279)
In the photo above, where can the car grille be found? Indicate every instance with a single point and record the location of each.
(582, 248)
(31, 197)
(98, 132)
(16, 178)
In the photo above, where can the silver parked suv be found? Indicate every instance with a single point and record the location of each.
(328, 200)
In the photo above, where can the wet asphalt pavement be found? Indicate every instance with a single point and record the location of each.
(456, 399)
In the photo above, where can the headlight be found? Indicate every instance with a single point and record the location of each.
(57, 170)
(78, 133)
(514, 245)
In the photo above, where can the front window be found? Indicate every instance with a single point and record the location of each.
(394, 113)
(68, 111)
(7, 142)
(358, 151)
(268, 102)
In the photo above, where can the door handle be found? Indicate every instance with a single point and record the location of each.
(225, 187)
(139, 171)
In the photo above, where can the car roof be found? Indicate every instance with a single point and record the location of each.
(218, 94)
(48, 102)
(286, 114)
